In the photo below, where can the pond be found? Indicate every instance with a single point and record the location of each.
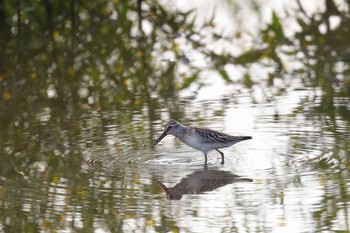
(84, 95)
(97, 170)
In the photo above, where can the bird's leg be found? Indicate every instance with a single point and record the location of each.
(206, 160)
(205, 167)
(222, 156)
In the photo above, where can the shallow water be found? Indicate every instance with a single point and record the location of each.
(76, 149)
(97, 170)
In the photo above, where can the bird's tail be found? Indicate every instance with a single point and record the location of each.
(242, 138)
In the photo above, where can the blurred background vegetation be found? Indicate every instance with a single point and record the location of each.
(114, 50)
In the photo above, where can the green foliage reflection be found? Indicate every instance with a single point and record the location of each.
(122, 49)
(97, 49)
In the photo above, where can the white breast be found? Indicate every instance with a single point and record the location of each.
(197, 143)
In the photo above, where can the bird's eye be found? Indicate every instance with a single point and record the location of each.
(169, 127)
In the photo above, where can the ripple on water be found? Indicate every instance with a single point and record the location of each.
(169, 160)
(108, 162)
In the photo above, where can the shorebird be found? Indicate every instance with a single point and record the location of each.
(201, 139)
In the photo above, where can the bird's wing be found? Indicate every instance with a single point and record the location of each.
(212, 136)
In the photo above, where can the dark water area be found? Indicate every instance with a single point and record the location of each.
(85, 93)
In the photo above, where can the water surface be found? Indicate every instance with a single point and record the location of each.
(83, 96)
(97, 170)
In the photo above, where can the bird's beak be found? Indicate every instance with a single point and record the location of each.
(160, 138)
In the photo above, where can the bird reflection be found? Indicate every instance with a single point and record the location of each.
(201, 181)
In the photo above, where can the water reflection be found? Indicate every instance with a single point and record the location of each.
(95, 91)
(201, 181)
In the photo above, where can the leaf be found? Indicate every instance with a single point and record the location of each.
(189, 81)
(225, 76)
(277, 27)
(247, 81)
(302, 23)
(251, 56)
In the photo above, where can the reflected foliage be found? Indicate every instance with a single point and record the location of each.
(75, 52)
(86, 79)
(331, 158)
(81, 202)
(317, 53)
(81, 50)
(92, 51)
